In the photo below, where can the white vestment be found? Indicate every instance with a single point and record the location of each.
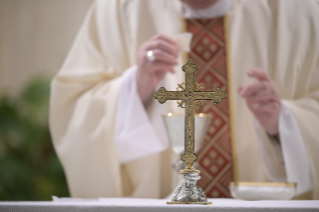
(85, 94)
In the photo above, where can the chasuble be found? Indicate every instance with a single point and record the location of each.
(281, 37)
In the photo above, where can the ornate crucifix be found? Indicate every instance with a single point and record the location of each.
(189, 95)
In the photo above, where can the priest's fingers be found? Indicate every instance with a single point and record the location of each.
(248, 90)
(268, 91)
(265, 106)
(259, 102)
(263, 95)
(160, 75)
(163, 56)
(163, 44)
(268, 116)
(258, 74)
(166, 38)
(261, 99)
(162, 67)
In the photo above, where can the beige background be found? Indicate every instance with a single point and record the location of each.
(35, 37)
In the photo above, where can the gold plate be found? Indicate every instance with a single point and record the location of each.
(276, 184)
(183, 203)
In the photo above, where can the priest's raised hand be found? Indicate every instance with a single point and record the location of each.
(151, 70)
(263, 100)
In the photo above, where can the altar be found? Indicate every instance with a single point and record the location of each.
(154, 205)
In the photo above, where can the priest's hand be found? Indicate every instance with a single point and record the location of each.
(263, 100)
(150, 73)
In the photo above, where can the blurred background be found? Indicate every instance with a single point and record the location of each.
(35, 37)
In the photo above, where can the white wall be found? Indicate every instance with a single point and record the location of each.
(35, 37)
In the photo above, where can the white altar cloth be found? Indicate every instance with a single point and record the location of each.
(154, 205)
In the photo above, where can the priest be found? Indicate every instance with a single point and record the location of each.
(107, 128)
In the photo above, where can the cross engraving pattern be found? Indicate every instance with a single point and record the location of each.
(190, 96)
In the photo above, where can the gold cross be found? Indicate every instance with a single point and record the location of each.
(189, 95)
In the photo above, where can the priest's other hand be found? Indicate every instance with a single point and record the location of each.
(150, 73)
(263, 100)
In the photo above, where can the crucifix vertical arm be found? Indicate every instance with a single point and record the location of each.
(189, 95)
(190, 68)
(189, 157)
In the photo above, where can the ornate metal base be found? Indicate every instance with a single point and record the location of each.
(188, 192)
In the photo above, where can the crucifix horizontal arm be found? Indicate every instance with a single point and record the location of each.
(216, 95)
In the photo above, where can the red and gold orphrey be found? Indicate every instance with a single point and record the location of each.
(208, 50)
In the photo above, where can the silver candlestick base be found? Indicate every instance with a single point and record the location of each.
(188, 192)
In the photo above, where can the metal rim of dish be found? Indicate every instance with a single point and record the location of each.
(274, 184)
